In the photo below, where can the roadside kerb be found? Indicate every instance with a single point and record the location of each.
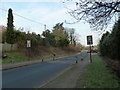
(69, 77)
(70, 67)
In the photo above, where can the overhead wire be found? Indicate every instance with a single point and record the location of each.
(24, 17)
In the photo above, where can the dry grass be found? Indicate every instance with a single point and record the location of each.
(72, 49)
(40, 52)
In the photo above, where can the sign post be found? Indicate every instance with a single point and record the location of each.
(90, 42)
(28, 43)
(28, 46)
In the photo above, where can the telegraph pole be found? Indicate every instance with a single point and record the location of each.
(45, 26)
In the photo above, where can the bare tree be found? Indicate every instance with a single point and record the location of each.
(97, 14)
(73, 36)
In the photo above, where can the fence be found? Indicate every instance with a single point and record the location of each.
(7, 47)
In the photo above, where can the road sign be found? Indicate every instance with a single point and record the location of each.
(89, 40)
(28, 43)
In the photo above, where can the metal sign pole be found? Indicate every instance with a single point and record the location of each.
(90, 55)
(28, 46)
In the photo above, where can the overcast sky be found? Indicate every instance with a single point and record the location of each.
(49, 12)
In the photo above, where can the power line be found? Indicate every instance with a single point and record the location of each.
(25, 18)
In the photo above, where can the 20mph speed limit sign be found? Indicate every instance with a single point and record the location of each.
(89, 40)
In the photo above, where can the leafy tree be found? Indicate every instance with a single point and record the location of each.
(58, 26)
(103, 44)
(110, 44)
(46, 33)
(60, 34)
(58, 31)
(10, 28)
(116, 40)
(49, 38)
(64, 42)
(10, 35)
(39, 39)
(20, 38)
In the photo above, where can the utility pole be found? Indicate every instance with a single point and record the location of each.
(45, 26)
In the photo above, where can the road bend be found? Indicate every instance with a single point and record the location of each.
(33, 76)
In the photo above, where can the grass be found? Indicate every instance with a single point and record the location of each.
(98, 75)
(14, 57)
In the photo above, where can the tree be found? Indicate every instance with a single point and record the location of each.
(60, 35)
(116, 40)
(97, 14)
(20, 38)
(103, 44)
(71, 35)
(49, 38)
(10, 35)
(64, 42)
(110, 43)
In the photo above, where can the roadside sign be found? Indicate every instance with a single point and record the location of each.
(28, 43)
(89, 40)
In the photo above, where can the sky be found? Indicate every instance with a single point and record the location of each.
(49, 12)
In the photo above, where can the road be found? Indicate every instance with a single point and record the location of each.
(33, 76)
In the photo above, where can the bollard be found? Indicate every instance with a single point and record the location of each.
(76, 59)
(42, 59)
(54, 56)
(81, 59)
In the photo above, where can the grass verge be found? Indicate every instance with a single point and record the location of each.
(14, 57)
(97, 75)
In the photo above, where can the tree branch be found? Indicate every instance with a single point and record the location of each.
(97, 14)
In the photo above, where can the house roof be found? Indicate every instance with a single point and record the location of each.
(2, 28)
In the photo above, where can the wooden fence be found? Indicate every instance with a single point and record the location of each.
(7, 47)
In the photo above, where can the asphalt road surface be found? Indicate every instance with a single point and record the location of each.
(33, 76)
